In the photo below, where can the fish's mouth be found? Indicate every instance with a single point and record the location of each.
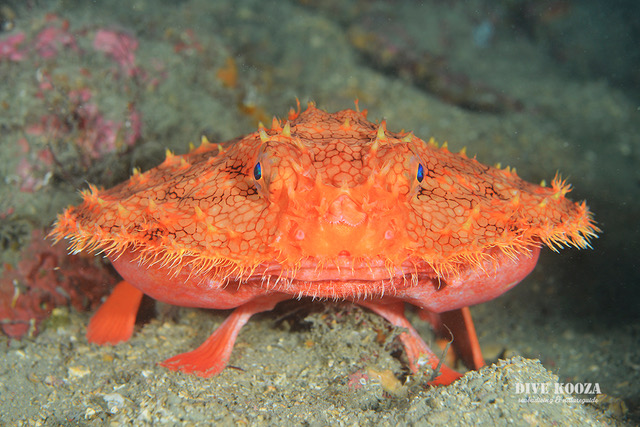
(346, 268)
(354, 288)
(343, 277)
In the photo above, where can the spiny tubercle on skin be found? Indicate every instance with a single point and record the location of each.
(329, 187)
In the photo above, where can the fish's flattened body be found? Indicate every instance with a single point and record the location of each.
(325, 205)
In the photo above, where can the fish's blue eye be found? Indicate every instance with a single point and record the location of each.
(420, 174)
(257, 171)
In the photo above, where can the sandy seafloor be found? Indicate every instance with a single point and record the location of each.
(573, 320)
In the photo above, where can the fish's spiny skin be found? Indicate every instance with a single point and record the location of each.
(321, 205)
(323, 189)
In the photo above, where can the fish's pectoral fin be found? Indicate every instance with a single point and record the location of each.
(418, 352)
(213, 355)
(465, 340)
(115, 319)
